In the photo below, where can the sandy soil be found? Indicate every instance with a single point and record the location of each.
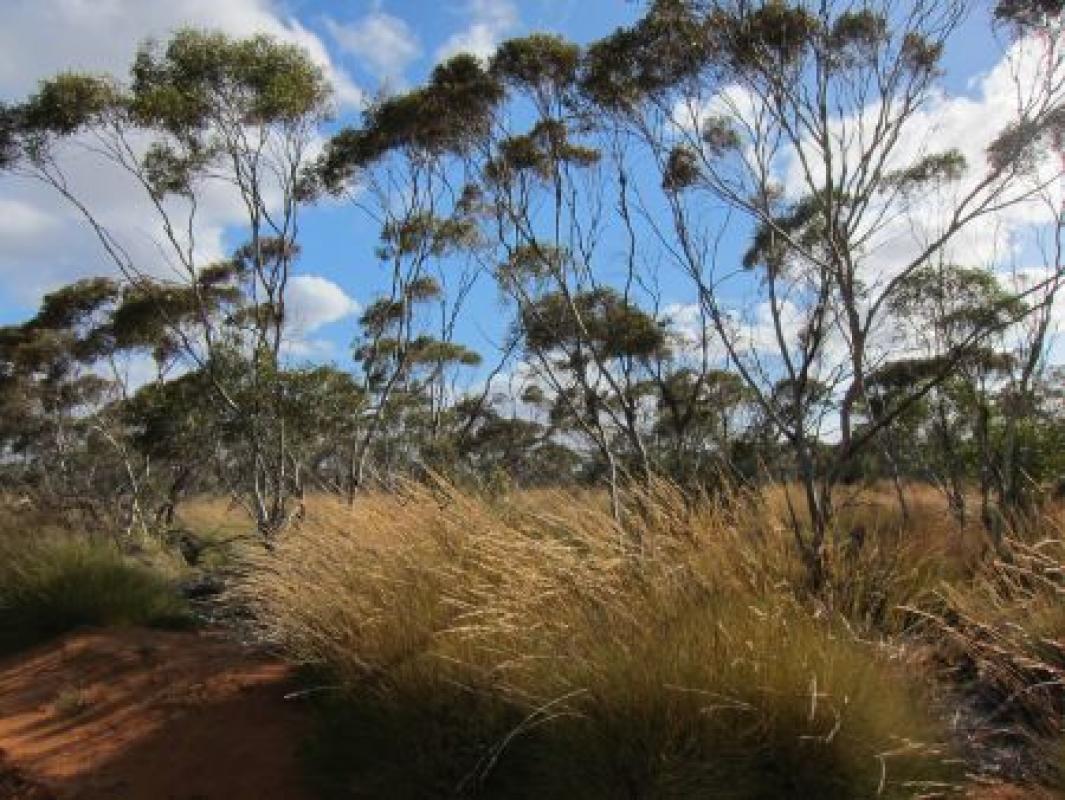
(147, 714)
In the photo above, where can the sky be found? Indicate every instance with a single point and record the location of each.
(365, 47)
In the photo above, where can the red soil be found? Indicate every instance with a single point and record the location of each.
(147, 714)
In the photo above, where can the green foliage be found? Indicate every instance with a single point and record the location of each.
(1028, 14)
(47, 394)
(423, 234)
(169, 172)
(192, 95)
(447, 115)
(172, 419)
(70, 101)
(920, 55)
(539, 63)
(9, 127)
(956, 301)
(380, 315)
(534, 261)
(667, 46)
(775, 244)
(858, 34)
(768, 36)
(516, 450)
(541, 151)
(682, 169)
(601, 319)
(201, 78)
(719, 135)
(73, 305)
(938, 167)
(149, 312)
(427, 350)
(51, 586)
(1021, 144)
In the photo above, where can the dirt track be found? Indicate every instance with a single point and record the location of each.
(147, 714)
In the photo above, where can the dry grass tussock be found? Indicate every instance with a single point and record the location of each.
(534, 649)
(1003, 637)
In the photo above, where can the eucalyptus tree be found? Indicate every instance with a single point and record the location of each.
(944, 316)
(803, 120)
(407, 374)
(61, 387)
(1024, 399)
(202, 113)
(73, 420)
(49, 392)
(703, 421)
(9, 150)
(401, 166)
(597, 352)
(502, 145)
(557, 197)
(497, 449)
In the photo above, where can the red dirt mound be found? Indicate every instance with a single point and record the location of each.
(147, 714)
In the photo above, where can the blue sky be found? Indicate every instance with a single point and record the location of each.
(366, 45)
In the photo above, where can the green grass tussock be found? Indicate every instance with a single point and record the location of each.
(51, 585)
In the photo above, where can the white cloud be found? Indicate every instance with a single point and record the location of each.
(490, 21)
(20, 220)
(751, 330)
(313, 302)
(385, 44)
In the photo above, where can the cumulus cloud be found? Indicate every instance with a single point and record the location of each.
(313, 302)
(384, 44)
(489, 22)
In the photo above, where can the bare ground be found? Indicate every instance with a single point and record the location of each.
(147, 714)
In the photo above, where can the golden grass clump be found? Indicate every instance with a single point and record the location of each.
(1006, 633)
(536, 649)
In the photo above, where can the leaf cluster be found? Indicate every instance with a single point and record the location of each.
(448, 114)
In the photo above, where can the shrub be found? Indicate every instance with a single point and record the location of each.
(56, 584)
(485, 650)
